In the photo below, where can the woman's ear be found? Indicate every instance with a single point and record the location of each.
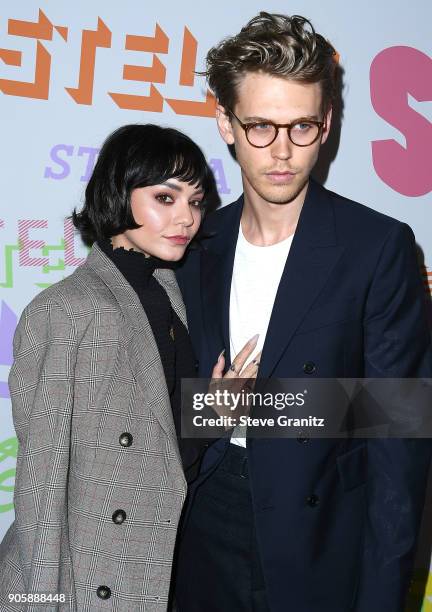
(224, 125)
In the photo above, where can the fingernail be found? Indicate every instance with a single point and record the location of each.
(221, 353)
(254, 338)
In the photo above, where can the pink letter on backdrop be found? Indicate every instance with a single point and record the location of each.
(396, 72)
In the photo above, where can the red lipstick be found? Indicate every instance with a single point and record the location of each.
(182, 240)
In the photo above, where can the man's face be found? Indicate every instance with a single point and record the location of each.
(278, 173)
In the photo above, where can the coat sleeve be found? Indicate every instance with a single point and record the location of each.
(41, 385)
(397, 344)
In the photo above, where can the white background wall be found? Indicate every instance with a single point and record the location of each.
(47, 142)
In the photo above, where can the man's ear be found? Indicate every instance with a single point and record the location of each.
(224, 125)
(327, 124)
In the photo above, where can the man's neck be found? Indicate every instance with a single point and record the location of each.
(264, 223)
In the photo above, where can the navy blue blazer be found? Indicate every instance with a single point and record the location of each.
(336, 520)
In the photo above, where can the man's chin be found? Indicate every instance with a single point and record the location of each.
(282, 194)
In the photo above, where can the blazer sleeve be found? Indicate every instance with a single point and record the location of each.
(397, 344)
(41, 385)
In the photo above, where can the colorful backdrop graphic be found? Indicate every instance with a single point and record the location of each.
(70, 74)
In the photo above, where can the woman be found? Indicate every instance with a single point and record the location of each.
(100, 482)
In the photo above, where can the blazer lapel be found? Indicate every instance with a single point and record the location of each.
(313, 255)
(167, 279)
(217, 260)
(139, 340)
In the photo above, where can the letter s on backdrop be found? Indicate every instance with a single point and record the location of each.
(396, 72)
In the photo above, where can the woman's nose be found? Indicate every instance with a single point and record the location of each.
(184, 214)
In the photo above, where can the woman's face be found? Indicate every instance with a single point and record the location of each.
(169, 215)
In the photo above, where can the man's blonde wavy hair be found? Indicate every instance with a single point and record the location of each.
(277, 45)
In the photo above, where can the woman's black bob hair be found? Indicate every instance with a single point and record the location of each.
(136, 156)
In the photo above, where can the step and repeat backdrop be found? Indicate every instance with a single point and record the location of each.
(70, 73)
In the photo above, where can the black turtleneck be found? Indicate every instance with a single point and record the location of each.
(171, 336)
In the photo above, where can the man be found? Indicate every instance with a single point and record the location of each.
(333, 289)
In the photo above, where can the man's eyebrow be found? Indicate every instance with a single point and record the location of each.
(257, 119)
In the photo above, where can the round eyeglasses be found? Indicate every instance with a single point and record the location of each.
(301, 132)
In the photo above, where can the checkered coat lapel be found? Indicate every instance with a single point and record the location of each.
(140, 341)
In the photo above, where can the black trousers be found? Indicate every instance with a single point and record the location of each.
(218, 567)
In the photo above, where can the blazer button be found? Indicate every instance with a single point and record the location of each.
(196, 365)
(302, 439)
(125, 439)
(309, 367)
(312, 501)
(103, 592)
(119, 517)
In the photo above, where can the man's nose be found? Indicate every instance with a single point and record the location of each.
(282, 147)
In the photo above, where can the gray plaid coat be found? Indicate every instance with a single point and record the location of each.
(99, 483)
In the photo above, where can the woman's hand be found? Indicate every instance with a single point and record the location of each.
(236, 370)
(239, 378)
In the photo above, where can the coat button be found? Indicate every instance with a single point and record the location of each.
(312, 500)
(302, 439)
(125, 439)
(309, 367)
(103, 592)
(119, 517)
(196, 365)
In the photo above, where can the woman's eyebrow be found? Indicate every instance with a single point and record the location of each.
(198, 191)
(173, 186)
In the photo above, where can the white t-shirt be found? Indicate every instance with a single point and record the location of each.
(256, 275)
